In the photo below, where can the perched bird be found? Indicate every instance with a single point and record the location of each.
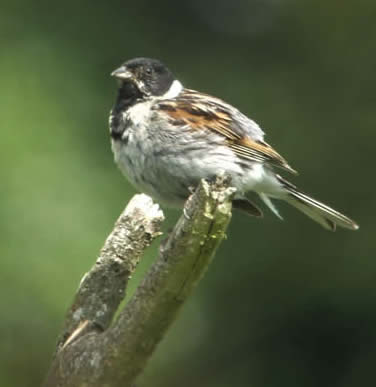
(166, 138)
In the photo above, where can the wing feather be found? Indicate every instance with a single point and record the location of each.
(201, 111)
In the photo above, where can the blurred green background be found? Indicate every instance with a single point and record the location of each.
(284, 303)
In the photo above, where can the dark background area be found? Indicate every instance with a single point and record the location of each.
(284, 303)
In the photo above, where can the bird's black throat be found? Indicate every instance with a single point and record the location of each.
(128, 96)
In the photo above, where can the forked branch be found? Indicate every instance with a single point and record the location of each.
(94, 350)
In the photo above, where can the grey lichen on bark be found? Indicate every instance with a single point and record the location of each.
(96, 351)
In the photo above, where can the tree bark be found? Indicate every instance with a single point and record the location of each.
(93, 350)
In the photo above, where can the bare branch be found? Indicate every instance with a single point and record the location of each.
(114, 355)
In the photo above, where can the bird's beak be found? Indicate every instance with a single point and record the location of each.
(122, 73)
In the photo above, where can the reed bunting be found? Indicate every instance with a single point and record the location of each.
(166, 138)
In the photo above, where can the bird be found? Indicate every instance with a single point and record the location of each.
(166, 138)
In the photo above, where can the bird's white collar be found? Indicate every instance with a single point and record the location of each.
(174, 90)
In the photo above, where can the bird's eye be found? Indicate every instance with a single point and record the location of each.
(148, 70)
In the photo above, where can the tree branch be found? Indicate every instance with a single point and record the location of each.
(91, 352)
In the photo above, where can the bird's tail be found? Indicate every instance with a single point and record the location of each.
(319, 212)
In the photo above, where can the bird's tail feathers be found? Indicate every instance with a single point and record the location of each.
(319, 212)
(265, 198)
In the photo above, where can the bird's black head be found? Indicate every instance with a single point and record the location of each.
(143, 77)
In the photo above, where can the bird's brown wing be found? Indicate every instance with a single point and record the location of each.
(260, 151)
(203, 112)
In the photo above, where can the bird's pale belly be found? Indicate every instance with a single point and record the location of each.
(167, 175)
(148, 175)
